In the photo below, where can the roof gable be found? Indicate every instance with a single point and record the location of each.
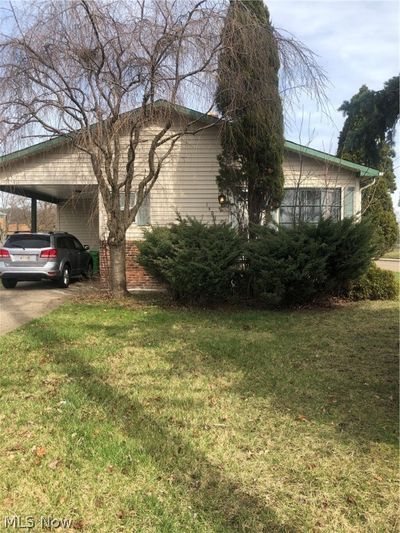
(193, 115)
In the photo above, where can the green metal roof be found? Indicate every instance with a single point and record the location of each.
(56, 141)
(34, 149)
(328, 158)
(198, 116)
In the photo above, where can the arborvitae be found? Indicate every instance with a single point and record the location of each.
(250, 165)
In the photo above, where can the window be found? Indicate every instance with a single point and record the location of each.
(77, 244)
(65, 243)
(348, 202)
(143, 215)
(309, 205)
(27, 241)
(122, 200)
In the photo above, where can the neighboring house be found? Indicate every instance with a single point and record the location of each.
(3, 221)
(7, 228)
(15, 226)
(316, 184)
(3, 226)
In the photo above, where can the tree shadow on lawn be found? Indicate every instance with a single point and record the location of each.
(336, 367)
(221, 501)
(347, 377)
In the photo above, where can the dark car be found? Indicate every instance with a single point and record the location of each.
(36, 256)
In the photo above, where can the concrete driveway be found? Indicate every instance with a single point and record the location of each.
(30, 300)
(389, 264)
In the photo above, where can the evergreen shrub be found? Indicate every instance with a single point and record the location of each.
(299, 265)
(198, 262)
(375, 284)
(210, 263)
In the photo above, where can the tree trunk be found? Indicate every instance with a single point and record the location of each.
(117, 268)
(254, 213)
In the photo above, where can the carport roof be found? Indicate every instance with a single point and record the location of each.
(291, 146)
(54, 194)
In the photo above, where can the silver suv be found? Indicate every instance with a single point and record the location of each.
(36, 256)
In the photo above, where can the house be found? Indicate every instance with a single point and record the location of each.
(316, 184)
(15, 226)
(3, 226)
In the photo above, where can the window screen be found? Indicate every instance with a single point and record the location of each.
(122, 200)
(348, 202)
(309, 205)
(143, 215)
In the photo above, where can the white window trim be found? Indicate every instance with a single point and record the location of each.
(276, 213)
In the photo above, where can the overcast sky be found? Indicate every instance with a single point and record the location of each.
(357, 43)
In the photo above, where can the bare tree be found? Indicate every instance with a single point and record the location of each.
(46, 216)
(17, 209)
(18, 213)
(77, 69)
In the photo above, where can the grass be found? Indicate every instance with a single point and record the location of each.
(141, 418)
(393, 254)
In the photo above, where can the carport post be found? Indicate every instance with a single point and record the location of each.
(33, 215)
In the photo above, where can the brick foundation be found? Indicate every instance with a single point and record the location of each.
(136, 276)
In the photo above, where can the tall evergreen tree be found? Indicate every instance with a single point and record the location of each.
(250, 165)
(367, 138)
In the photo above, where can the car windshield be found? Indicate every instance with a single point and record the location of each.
(27, 241)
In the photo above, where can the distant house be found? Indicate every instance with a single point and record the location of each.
(6, 228)
(15, 226)
(317, 184)
(3, 225)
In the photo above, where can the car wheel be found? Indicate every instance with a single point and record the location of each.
(9, 283)
(89, 271)
(63, 282)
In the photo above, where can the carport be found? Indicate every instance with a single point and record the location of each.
(77, 208)
(53, 172)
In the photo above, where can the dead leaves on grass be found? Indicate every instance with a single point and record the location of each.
(54, 464)
(40, 453)
(302, 418)
(79, 524)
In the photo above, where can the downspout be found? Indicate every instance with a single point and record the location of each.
(370, 184)
(366, 187)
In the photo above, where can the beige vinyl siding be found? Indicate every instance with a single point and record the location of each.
(186, 185)
(187, 182)
(62, 165)
(302, 171)
(80, 218)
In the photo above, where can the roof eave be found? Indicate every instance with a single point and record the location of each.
(328, 158)
(197, 116)
(191, 114)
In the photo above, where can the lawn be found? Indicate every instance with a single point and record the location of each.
(144, 418)
(393, 254)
